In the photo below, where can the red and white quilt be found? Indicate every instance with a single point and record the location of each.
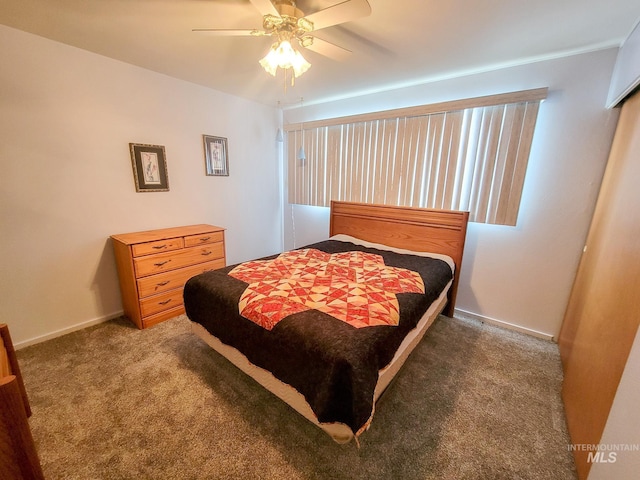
(355, 287)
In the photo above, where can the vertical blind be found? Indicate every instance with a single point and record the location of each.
(465, 155)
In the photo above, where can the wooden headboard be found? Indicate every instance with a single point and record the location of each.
(418, 229)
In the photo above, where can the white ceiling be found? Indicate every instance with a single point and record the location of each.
(402, 42)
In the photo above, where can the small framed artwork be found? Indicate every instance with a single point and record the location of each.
(149, 167)
(215, 155)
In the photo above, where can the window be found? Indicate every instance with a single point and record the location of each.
(465, 155)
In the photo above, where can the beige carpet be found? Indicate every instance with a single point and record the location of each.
(114, 402)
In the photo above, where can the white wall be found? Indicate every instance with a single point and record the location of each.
(66, 182)
(517, 275)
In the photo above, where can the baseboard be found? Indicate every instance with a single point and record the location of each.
(64, 331)
(499, 323)
(457, 313)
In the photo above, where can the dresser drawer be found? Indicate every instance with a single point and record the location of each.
(150, 248)
(163, 282)
(193, 240)
(162, 316)
(160, 302)
(163, 262)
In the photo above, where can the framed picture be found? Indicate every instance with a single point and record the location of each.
(149, 167)
(216, 159)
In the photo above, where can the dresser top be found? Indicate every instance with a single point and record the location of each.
(164, 233)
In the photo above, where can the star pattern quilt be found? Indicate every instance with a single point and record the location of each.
(355, 287)
(331, 358)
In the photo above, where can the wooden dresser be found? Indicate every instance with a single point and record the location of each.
(154, 265)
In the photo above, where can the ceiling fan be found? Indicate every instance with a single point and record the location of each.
(287, 24)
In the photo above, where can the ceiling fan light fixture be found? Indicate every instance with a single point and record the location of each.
(284, 56)
(270, 61)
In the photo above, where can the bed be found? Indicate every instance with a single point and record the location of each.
(329, 338)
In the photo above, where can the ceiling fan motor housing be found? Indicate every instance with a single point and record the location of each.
(290, 23)
(289, 9)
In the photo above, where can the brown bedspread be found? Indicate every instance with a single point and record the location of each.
(332, 363)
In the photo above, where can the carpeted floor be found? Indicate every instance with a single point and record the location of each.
(113, 402)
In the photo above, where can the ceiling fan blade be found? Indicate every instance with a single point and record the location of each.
(265, 7)
(329, 49)
(227, 32)
(342, 12)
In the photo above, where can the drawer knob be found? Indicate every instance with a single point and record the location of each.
(165, 302)
(162, 284)
(159, 264)
(208, 252)
(204, 239)
(159, 247)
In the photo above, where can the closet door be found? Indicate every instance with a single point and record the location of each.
(603, 312)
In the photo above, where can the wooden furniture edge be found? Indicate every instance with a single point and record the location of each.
(18, 455)
(419, 229)
(127, 282)
(165, 233)
(13, 365)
